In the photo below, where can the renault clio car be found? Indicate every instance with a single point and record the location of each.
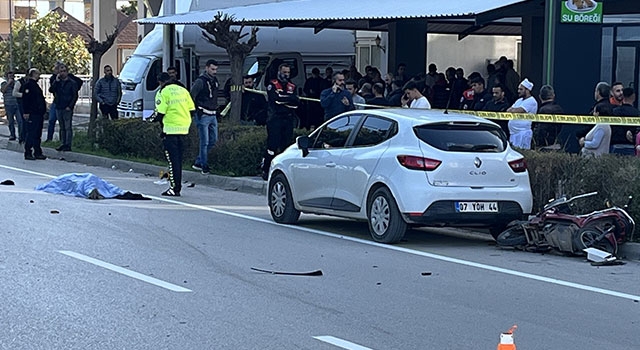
(397, 168)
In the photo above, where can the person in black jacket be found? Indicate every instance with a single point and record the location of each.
(53, 117)
(34, 109)
(204, 93)
(282, 102)
(65, 92)
(546, 134)
(622, 136)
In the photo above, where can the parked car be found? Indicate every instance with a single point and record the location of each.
(397, 168)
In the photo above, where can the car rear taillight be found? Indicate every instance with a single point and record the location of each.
(518, 166)
(419, 163)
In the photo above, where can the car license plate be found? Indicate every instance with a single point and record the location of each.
(477, 207)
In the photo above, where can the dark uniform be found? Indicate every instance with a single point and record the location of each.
(282, 104)
(498, 106)
(34, 107)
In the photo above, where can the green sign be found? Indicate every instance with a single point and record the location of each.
(581, 11)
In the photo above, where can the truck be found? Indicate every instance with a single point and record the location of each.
(300, 47)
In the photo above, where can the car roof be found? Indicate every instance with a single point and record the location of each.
(414, 116)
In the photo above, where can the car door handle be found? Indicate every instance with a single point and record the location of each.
(330, 165)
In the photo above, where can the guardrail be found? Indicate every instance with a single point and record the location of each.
(84, 94)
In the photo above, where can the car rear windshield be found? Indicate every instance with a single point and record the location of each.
(463, 137)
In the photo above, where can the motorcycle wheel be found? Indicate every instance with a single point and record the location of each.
(513, 236)
(591, 236)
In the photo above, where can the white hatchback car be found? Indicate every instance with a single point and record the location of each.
(401, 167)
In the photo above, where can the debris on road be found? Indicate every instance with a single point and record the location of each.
(310, 273)
(55, 212)
(7, 183)
(601, 258)
(426, 273)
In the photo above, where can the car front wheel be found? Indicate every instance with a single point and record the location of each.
(385, 221)
(281, 201)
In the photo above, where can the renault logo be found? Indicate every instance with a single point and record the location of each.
(477, 162)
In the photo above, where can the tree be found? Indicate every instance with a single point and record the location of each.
(130, 9)
(219, 33)
(97, 49)
(48, 45)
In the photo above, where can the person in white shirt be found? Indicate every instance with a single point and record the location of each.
(358, 100)
(520, 132)
(414, 97)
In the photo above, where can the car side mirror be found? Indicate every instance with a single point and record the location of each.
(303, 144)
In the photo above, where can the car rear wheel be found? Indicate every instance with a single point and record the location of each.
(385, 221)
(513, 236)
(496, 230)
(281, 201)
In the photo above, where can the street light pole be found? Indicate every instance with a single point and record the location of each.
(11, 66)
(29, 19)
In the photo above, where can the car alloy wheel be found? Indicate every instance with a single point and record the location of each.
(281, 201)
(386, 224)
(278, 198)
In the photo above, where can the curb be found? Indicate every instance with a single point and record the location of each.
(629, 251)
(252, 185)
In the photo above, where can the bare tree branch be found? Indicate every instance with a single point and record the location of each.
(219, 32)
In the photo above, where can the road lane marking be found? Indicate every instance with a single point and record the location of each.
(341, 343)
(415, 252)
(118, 269)
(388, 247)
(27, 171)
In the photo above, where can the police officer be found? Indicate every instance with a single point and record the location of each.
(34, 109)
(283, 102)
(174, 107)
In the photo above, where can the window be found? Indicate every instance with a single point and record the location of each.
(628, 33)
(134, 69)
(152, 76)
(375, 130)
(336, 133)
(463, 137)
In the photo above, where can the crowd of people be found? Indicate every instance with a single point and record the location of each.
(500, 89)
(26, 107)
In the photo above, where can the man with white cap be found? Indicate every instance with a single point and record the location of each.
(520, 132)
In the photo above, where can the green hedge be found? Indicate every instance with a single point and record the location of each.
(613, 177)
(240, 149)
(238, 152)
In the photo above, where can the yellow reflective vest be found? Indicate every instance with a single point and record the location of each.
(176, 104)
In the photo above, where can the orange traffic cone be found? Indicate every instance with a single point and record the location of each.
(506, 339)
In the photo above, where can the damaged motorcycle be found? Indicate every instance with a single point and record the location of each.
(557, 227)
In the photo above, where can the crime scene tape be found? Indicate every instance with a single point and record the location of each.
(541, 118)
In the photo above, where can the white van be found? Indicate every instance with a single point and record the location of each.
(299, 46)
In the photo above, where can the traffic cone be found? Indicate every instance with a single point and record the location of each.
(506, 339)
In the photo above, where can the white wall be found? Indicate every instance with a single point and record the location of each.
(471, 52)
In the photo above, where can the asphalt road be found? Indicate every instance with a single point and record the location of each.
(176, 274)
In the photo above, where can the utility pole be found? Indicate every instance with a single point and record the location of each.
(11, 66)
(29, 19)
(168, 33)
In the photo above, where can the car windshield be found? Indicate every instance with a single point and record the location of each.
(134, 69)
(255, 65)
(463, 137)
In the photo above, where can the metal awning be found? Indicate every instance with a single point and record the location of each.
(357, 14)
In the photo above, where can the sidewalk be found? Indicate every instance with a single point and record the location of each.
(254, 185)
